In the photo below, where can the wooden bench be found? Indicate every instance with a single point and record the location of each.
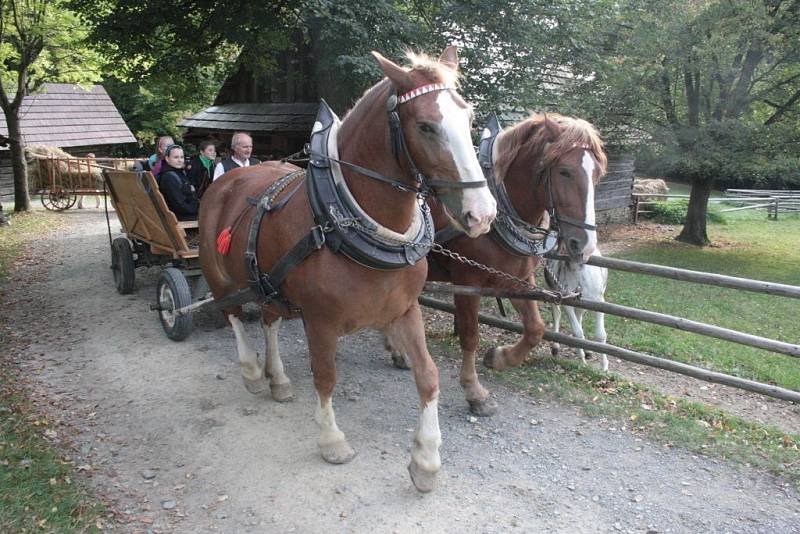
(144, 214)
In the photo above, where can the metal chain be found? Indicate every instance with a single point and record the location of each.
(562, 292)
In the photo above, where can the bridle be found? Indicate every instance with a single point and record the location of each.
(555, 218)
(425, 187)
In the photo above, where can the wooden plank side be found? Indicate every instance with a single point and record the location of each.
(140, 217)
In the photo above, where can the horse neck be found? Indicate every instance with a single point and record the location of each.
(363, 140)
(525, 186)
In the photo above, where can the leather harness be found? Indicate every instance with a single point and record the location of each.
(340, 223)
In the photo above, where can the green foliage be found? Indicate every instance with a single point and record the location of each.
(674, 212)
(44, 42)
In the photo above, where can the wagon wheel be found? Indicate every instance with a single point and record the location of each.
(58, 199)
(172, 293)
(123, 266)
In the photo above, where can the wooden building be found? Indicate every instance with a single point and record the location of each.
(69, 117)
(277, 110)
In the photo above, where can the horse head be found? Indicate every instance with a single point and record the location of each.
(434, 123)
(568, 160)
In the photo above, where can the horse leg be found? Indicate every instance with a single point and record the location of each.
(577, 329)
(408, 331)
(80, 202)
(399, 359)
(332, 443)
(533, 330)
(466, 322)
(279, 384)
(600, 335)
(252, 373)
(556, 309)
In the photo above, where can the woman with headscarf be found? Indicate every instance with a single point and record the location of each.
(173, 183)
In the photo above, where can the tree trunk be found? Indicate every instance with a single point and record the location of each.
(694, 231)
(22, 198)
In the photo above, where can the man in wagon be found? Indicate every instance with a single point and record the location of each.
(242, 147)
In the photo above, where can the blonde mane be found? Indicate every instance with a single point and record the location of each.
(530, 136)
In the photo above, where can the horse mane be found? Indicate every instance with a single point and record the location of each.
(530, 138)
(429, 68)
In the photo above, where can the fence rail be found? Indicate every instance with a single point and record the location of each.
(677, 323)
(631, 356)
(774, 202)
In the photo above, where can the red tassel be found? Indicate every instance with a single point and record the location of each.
(224, 241)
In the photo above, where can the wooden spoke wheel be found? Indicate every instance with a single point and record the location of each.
(58, 199)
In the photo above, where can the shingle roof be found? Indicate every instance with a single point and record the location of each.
(66, 115)
(255, 118)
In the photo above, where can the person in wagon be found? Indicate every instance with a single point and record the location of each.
(156, 161)
(242, 147)
(200, 168)
(173, 183)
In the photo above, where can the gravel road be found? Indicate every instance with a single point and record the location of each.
(168, 434)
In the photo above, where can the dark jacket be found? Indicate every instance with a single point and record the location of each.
(229, 164)
(179, 192)
(198, 175)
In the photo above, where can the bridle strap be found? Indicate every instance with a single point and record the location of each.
(397, 184)
(554, 216)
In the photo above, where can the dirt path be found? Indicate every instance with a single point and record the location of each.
(168, 433)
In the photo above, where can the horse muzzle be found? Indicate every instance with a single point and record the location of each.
(581, 246)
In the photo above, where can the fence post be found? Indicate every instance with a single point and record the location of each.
(635, 209)
(777, 206)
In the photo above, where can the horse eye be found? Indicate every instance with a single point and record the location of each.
(426, 128)
(565, 173)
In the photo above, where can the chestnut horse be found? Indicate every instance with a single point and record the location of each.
(548, 165)
(332, 293)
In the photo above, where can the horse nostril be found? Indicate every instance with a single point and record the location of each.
(574, 244)
(470, 219)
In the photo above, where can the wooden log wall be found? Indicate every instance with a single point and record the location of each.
(6, 180)
(614, 190)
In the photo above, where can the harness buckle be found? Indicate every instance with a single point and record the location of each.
(318, 235)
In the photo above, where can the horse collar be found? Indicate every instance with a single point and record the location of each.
(353, 231)
(509, 229)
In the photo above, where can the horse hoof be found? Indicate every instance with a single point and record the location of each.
(424, 481)
(554, 350)
(339, 452)
(257, 386)
(482, 408)
(400, 361)
(282, 392)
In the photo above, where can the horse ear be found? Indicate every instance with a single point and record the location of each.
(394, 72)
(552, 128)
(449, 57)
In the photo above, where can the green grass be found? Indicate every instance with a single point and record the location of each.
(38, 489)
(749, 246)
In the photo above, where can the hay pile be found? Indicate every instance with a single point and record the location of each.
(653, 186)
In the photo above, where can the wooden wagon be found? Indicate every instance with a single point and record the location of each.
(153, 236)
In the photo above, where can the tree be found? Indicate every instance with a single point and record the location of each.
(40, 42)
(708, 80)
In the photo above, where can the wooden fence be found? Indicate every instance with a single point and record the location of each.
(678, 323)
(773, 201)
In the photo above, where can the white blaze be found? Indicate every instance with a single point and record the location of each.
(588, 166)
(455, 125)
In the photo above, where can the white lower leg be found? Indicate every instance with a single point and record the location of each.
(577, 329)
(248, 357)
(329, 433)
(600, 334)
(428, 438)
(274, 364)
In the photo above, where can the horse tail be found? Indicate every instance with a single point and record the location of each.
(210, 221)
